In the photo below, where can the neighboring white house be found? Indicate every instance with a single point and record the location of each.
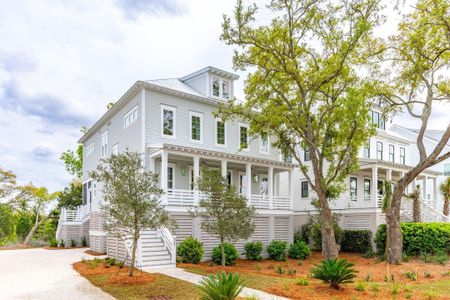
(171, 122)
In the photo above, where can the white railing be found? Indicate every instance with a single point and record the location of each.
(281, 202)
(80, 213)
(129, 247)
(427, 213)
(180, 197)
(170, 241)
(260, 201)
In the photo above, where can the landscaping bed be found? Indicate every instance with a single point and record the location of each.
(281, 278)
(115, 281)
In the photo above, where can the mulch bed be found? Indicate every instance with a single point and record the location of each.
(93, 253)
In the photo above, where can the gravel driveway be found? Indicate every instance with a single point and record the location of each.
(44, 274)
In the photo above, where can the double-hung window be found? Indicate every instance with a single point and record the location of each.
(353, 188)
(225, 89)
(221, 88)
(287, 157)
(90, 149)
(196, 126)
(216, 87)
(104, 148)
(264, 144)
(306, 155)
(130, 117)
(304, 189)
(367, 189)
(379, 150)
(402, 156)
(220, 133)
(243, 136)
(168, 115)
(367, 149)
(391, 153)
(378, 119)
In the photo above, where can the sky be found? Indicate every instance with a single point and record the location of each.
(62, 62)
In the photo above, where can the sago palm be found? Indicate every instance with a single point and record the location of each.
(221, 286)
(415, 198)
(445, 191)
(334, 272)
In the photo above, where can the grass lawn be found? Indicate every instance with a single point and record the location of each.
(369, 284)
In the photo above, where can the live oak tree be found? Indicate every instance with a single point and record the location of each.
(418, 59)
(131, 198)
(303, 87)
(224, 213)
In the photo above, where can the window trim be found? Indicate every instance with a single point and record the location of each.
(105, 154)
(240, 125)
(115, 149)
(130, 113)
(302, 190)
(366, 147)
(221, 81)
(443, 169)
(221, 88)
(224, 132)
(356, 188)
(173, 166)
(402, 157)
(367, 198)
(391, 146)
(174, 110)
(199, 115)
(89, 149)
(268, 145)
(378, 151)
(212, 86)
(306, 150)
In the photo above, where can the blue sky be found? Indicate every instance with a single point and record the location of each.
(61, 62)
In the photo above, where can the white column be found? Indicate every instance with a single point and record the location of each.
(373, 190)
(435, 192)
(291, 188)
(196, 177)
(424, 188)
(152, 165)
(223, 168)
(389, 174)
(163, 175)
(248, 175)
(270, 186)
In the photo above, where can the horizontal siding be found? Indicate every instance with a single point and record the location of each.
(281, 230)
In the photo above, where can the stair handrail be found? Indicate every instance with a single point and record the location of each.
(170, 241)
(427, 210)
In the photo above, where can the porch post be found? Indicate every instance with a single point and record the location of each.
(196, 177)
(291, 188)
(163, 175)
(152, 165)
(223, 168)
(248, 175)
(424, 188)
(389, 174)
(374, 188)
(270, 186)
(435, 192)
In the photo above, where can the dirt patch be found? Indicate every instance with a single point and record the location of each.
(16, 247)
(93, 253)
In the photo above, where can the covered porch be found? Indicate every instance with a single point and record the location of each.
(257, 179)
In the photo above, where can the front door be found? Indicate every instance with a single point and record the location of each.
(242, 183)
(264, 185)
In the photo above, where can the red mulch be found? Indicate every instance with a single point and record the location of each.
(93, 253)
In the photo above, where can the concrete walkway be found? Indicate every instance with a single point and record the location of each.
(195, 279)
(45, 274)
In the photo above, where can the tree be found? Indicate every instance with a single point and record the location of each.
(132, 198)
(445, 191)
(415, 198)
(74, 161)
(7, 221)
(304, 88)
(8, 184)
(38, 200)
(224, 213)
(417, 78)
(72, 195)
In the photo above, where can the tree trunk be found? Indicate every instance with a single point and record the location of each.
(222, 250)
(445, 210)
(133, 254)
(416, 209)
(329, 246)
(34, 228)
(394, 242)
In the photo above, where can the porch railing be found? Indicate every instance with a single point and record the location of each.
(180, 197)
(260, 201)
(281, 202)
(427, 212)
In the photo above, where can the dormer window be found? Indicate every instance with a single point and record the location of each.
(225, 89)
(216, 87)
(221, 88)
(378, 119)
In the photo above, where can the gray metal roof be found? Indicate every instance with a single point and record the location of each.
(175, 84)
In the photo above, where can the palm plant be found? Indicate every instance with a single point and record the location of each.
(415, 197)
(334, 272)
(221, 286)
(445, 191)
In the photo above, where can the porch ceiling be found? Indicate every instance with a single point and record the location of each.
(367, 163)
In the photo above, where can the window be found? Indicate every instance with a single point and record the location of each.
(220, 132)
(402, 156)
(196, 126)
(264, 144)
(304, 189)
(130, 117)
(225, 89)
(90, 149)
(447, 169)
(168, 121)
(87, 189)
(379, 150)
(306, 155)
(287, 157)
(104, 149)
(367, 149)
(353, 188)
(243, 137)
(378, 119)
(391, 153)
(170, 176)
(367, 189)
(216, 87)
(115, 149)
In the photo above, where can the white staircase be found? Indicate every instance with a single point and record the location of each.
(427, 213)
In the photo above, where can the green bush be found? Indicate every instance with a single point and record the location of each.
(231, 254)
(277, 250)
(190, 251)
(83, 241)
(356, 241)
(62, 244)
(299, 250)
(253, 250)
(418, 238)
(310, 232)
(53, 242)
(221, 286)
(73, 243)
(334, 272)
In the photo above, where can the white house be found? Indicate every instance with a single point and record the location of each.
(171, 122)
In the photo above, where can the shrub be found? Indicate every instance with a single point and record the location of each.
(110, 261)
(356, 241)
(334, 272)
(374, 287)
(299, 250)
(310, 232)
(441, 258)
(83, 241)
(277, 250)
(360, 286)
(62, 244)
(411, 275)
(253, 250)
(190, 251)
(279, 270)
(291, 271)
(419, 237)
(426, 257)
(427, 275)
(302, 281)
(231, 254)
(53, 242)
(220, 286)
(73, 243)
